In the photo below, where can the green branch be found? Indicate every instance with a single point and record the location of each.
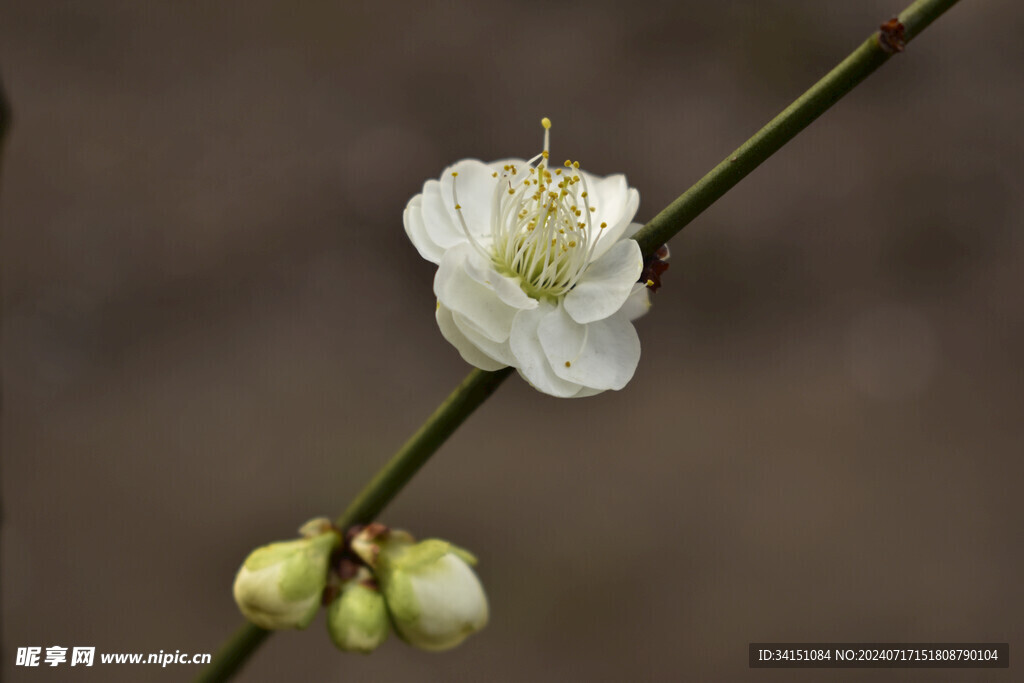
(475, 389)
(859, 65)
(233, 654)
(466, 398)
(375, 496)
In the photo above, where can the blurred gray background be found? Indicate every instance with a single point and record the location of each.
(215, 328)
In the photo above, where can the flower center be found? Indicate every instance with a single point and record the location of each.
(541, 224)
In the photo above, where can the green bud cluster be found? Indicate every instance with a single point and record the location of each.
(375, 579)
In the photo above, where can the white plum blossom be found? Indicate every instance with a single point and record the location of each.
(536, 269)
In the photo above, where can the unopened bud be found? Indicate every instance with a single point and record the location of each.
(434, 598)
(279, 586)
(357, 620)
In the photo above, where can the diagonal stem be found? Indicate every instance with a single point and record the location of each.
(391, 478)
(860, 64)
(475, 389)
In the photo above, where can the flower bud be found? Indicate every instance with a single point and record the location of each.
(280, 585)
(357, 620)
(434, 598)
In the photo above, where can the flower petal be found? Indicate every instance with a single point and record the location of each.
(412, 218)
(615, 203)
(499, 351)
(607, 194)
(507, 288)
(469, 351)
(606, 284)
(618, 226)
(439, 223)
(475, 187)
(633, 228)
(600, 355)
(638, 302)
(531, 361)
(478, 303)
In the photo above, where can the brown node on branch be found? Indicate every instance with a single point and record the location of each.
(890, 36)
(348, 567)
(330, 594)
(344, 564)
(654, 266)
